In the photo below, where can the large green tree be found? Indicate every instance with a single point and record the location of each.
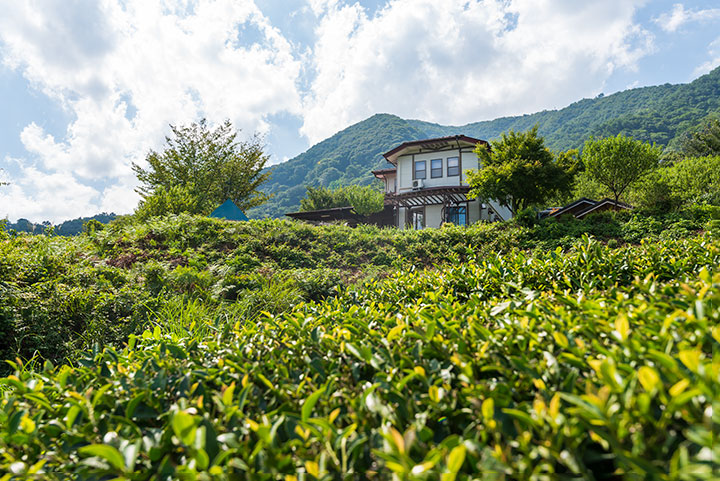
(519, 171)
(208, 165)
(619, 162)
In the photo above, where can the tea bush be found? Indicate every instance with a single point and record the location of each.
(64, 294)
(595, 363)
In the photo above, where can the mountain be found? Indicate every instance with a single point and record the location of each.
(657, 114)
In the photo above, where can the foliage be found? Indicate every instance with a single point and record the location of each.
(677, 184)
(702, 141)
(519, 171)
(176, 199)
(346, 158)
(619, 162)
(59, 295)
(595, 364)
(210, 165)
(657, 114)
(364, 200)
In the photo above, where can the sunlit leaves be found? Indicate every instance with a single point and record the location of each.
(514, 365)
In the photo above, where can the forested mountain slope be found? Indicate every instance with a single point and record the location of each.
(658, 114)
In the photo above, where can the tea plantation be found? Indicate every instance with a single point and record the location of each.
(190, 348)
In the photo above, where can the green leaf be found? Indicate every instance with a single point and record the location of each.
(184, 427)
(133, 404)
(520, 416)
(691, 359)
(488, 409)
(649, 378)
(309, 404)
(108, 453)
(227, 396)
(456, 458)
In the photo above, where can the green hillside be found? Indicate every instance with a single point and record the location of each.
(658, 114)
(345, 158)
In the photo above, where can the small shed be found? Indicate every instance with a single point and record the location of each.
(229, 211)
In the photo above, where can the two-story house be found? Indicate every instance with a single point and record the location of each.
(426, 187)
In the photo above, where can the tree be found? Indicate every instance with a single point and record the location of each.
(201, 167)
(519, 171)
(702, 141)
(619, 162)
(364, 200)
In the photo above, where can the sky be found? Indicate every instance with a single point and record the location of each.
(87, 87)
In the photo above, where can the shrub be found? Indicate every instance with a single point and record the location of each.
(593, 364)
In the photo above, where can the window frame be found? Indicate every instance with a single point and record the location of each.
(454, 217)
(434, 170)
(415, 214)
(415, 169)
(457, 174)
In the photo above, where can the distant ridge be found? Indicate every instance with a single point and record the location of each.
(658, 114)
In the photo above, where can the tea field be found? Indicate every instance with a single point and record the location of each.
(197, 349)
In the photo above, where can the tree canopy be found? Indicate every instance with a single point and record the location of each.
(703, 140)
(364, 200)
(200, 167)
(519, 171)
(619, 162)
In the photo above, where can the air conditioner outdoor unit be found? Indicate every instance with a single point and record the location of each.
(418, 184)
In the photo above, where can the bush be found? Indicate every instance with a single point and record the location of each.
(593, 364)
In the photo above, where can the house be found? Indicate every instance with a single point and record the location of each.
(425, 187)
(584, 207)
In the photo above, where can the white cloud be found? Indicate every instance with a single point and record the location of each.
(124, 70)
(37, 195)
(714, 54)
(678, 17)
(457, 62)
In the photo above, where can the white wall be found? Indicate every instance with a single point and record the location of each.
(405, 169)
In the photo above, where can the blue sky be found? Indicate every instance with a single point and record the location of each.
(87, 87)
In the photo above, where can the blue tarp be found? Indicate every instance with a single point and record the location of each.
(228, 210)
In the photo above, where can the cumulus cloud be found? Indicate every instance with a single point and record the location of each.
(457, 62)
(679, 16)
(38, 195)
(124, 70)
(714, 61)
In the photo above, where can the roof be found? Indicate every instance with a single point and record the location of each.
(334, 212)
(577, 205)
(432, 144)
(604, 204)
(229, 211)
(383, 172)
(345, 214)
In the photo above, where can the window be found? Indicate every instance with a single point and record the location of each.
(456, 215)
(417, 218)
(420, 169)
(453, 166)
(435, 168)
